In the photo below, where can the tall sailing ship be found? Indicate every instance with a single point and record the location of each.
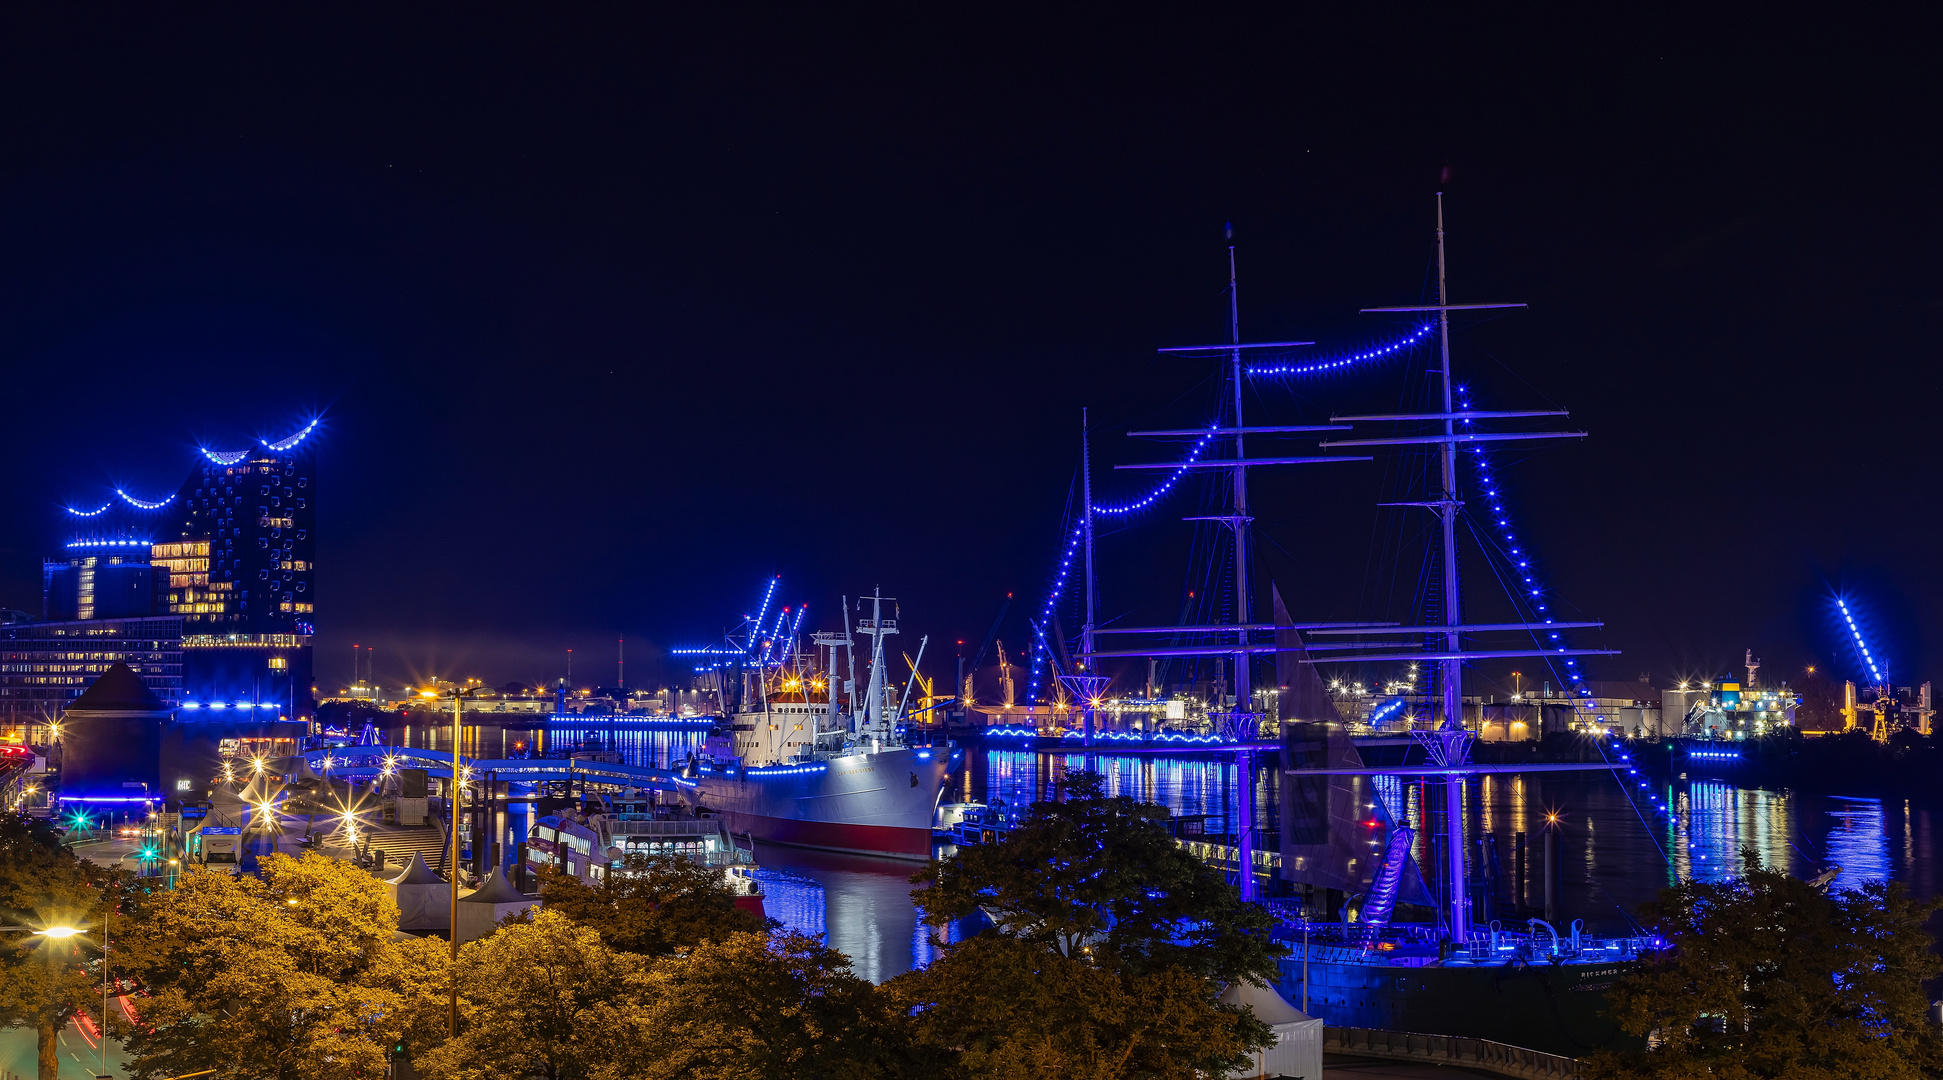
(796, 767)
(1375, 943)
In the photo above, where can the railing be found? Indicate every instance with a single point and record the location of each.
(1481, 1054)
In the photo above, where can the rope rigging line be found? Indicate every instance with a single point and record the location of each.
(1165, 487)
(1532, 594)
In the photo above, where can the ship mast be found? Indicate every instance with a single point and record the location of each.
(1450, 744)
(1451, 734)
(876, 698)
(1241, 518)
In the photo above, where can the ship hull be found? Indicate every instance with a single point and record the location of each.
(866, 804)
(1552, 1008)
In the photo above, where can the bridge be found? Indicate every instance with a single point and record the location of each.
(369, 761)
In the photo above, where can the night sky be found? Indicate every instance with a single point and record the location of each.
(612, 315)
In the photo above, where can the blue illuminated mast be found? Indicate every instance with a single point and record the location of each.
(1449, 745)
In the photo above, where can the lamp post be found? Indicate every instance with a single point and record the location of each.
(62, 933)
(459, 694)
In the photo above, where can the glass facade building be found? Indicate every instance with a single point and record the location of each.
(209, 595)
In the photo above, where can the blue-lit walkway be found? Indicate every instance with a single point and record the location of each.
(364, 762)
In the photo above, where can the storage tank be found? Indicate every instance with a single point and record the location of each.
(111, 743)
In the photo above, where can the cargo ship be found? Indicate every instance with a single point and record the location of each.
(796, 768)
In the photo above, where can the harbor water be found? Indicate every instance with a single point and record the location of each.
(1616, 851)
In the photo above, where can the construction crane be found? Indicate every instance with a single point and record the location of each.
(927, 700)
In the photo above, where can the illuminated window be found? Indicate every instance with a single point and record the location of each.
(285, 606)
(278, 663)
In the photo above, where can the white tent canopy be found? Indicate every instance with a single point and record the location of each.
(422, 897)
(1297, 1050)
(480, 912)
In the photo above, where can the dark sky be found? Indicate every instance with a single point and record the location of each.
(611, 313)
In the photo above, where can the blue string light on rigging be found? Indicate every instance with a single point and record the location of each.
(1534, 593)
(1337, 363)
(1160, 491)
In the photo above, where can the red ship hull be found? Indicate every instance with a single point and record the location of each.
(866, 804)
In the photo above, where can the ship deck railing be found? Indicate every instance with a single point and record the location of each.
(1414, 945)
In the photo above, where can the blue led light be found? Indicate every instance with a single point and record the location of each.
(1861, 646)
(1335, 363)
(1194, 454)
(286, 444)
(1571, 679)
(768, 595)
(89, 513)
(142, 505)
(224, 457)
(107, 543)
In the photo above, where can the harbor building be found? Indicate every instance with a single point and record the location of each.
(208, 596)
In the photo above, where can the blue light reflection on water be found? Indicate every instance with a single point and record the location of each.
(860, 906)
(1611, 864)
(1858, 841)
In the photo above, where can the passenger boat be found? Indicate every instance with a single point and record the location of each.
(594, 843)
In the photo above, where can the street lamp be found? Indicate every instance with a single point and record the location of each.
(62, 933)
(459, 694)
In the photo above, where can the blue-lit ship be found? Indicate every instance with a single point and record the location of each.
(796, 768)
(1373, 942)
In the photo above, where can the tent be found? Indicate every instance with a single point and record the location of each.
(479, 913)
(422, 897)
(1297, 1051)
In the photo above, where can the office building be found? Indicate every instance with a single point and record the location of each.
(209, 595)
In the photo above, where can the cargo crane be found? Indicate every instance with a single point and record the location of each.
(1889, 711)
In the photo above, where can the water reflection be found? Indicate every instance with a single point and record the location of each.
(1857, 841)
(860, 906)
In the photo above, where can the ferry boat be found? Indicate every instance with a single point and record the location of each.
(594, 843)
(796, 769)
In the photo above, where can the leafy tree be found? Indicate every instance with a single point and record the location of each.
(1768, 977)
(1110, 945)
(653, 905)
(1099, 874)
(290, 977)
(760, 1007)
(46, 982)
(999, 1008)
(542, 997)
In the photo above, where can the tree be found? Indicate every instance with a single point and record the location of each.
(291, 977)
(1766, 976)
(543, 997)
(761, 1007)
(998, 1008)
(653, 905)
(1109, 946)
(45, 982)
(1100, 873)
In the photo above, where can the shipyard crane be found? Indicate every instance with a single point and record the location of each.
(927, 698)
